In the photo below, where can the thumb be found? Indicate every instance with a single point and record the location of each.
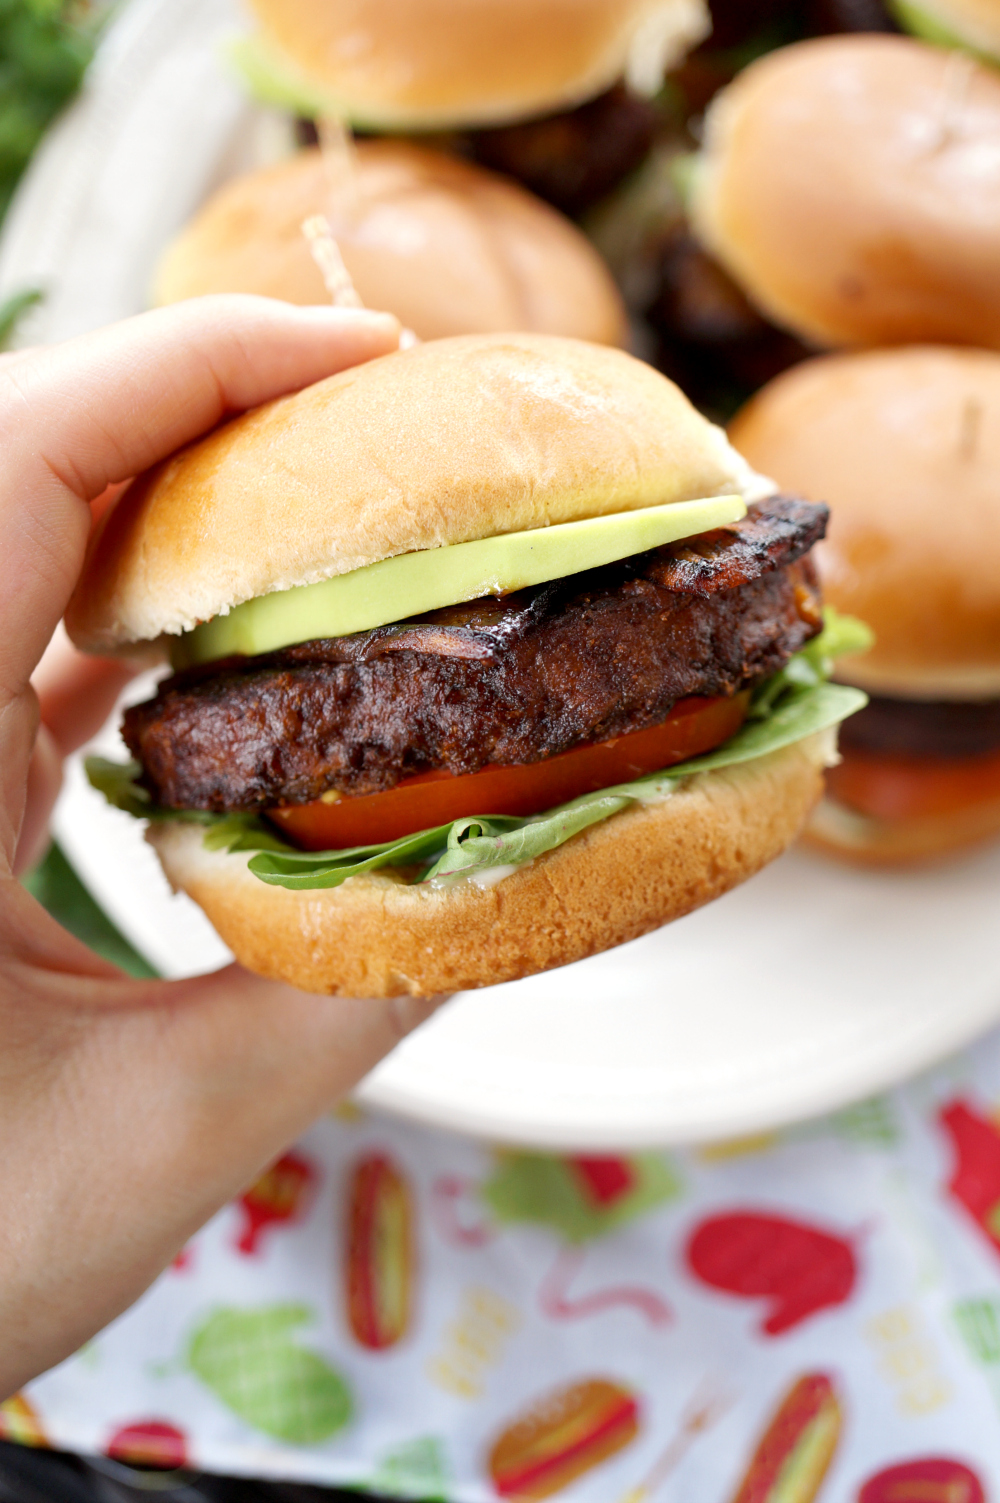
(278, 1055)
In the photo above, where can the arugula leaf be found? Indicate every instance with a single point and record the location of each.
(841, 637)
(307, 869)
(241, 832)
(796, 703)
(119, 782)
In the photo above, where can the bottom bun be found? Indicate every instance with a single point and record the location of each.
(376, 936)
(838, 831)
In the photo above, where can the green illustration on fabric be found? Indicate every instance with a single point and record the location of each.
(580, 1198)
(870, 1124)
(416, 1469)
(978, 1322)
(248, 1359)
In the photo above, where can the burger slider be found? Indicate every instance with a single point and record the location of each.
(489, 655)
(444, 63)
(446, 246)
(851, 185)
(905, 445)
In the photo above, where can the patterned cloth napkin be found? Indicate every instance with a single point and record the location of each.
(811, 1314)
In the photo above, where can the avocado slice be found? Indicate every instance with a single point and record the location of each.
(412, 583)
(278, 82)
(925, 25)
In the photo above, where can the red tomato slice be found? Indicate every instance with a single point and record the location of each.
(435, 798)
(896, 787)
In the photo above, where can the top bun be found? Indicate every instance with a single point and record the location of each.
(852, 186)
(905, 446)
(446, 246)
(443, 443)
(470, 62)
(966, 23)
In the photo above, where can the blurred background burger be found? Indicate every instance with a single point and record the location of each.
(905, 446)
(445, 245)
(852, 187)
(451, 63)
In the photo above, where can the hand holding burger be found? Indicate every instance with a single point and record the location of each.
(132, 1110)
(490, 655)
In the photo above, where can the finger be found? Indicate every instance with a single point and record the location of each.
(43, 787)
(76, 693)
(18, 731)
(77, 417)
(100, 503)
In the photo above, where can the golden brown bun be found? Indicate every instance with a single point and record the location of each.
(905, 446)
(842, 832)
(450, 441)
(374, 937)
(852, 185)
(446, 246)
(467, 62)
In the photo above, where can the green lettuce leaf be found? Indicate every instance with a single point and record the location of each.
(841, 637)
(119, 782)
(796, 703)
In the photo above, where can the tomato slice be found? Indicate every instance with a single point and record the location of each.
(899, 787)
(694, 725)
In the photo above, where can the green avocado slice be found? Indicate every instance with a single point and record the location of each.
(411, 583)
(280, 83)
(925, 25)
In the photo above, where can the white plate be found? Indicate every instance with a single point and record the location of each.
(810, 986)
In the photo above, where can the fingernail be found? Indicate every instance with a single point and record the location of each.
(368, 318)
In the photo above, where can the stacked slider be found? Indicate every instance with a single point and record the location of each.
(852, 187)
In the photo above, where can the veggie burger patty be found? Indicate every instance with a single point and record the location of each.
(491, 683)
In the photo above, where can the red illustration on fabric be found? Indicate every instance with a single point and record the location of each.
(976, 1179)
(380, 1255)
(150, 1443)
(801, 1438)
(558, 1304)
(798, 1267)
(281, 1194)
(604, 1180)
(932, 1479)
